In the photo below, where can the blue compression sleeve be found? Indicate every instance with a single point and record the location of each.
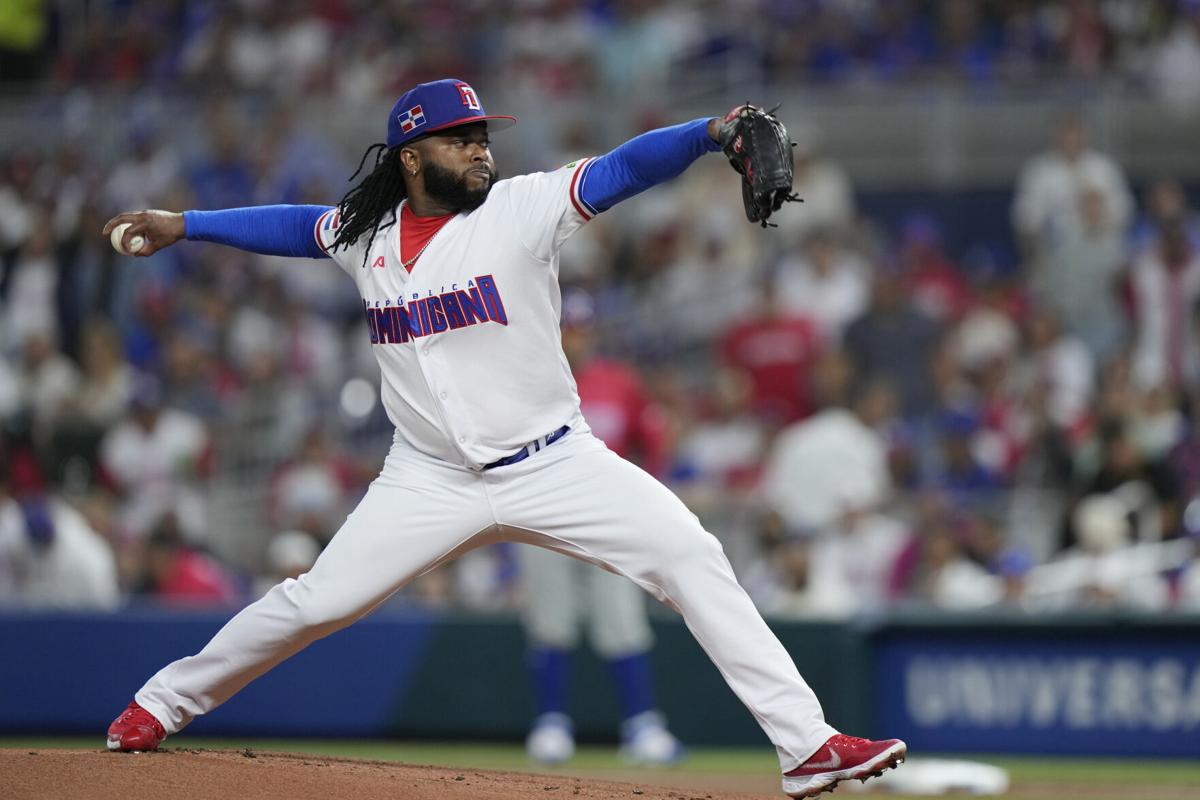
(644, 161)
(270, 230)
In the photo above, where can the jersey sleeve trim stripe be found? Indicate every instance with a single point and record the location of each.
(325, 222)
(583, 176)
(581, 205)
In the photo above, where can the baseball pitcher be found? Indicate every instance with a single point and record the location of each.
(457, 271)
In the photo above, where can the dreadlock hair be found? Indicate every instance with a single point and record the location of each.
(380, 192)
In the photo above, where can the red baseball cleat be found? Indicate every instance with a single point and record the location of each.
(135, 729)
(843, 758)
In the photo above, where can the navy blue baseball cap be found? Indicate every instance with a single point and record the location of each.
(437, 105)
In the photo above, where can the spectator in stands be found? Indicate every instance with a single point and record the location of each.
(1046, 208)
(145, 176)
(97, 405)
(59, 560)
(860, 547)
(366, 65)
(825, 282)
(1062, 366)
(197, 381)
(1184, 458)
(86, 275)
(1165, 284)
(633, 56)
(833, 461)
(47, 380)
(700, 293)
(17, 206)
(986, 542)
(1078, 278)
(962, 474)
(895, 343)
(1106, 572)
(157, 457)
(1088, 41)
(776, 349)
(30, 307)
(222, 179)
(936, 571)
(936, 285)
(153, 313)
(1165, 204)
(49, 556)
(289, 555)
(1118, 397)
(268, 417)
(963, 46)
(1157, 425)
(107, 381)
(302, 39)
(312, 492)
(724, 448)
(1174, 62)
(177, 573)
(312, 350)
(1013, 568)
(294, 159)
(785, 583)
(988, 333)
(825, 187)
(1149, 490)
(1028, 40)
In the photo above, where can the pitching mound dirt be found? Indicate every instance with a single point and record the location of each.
(183, 774)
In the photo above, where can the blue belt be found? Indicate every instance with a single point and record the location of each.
(531, 448)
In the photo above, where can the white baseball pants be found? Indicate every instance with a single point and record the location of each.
(576, 497)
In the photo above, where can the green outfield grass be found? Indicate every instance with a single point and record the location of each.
(1144, 778)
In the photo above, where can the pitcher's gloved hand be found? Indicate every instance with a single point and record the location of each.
(759, 148)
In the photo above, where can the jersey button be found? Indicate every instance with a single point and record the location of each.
(444, 395)
(462, 440)
(424, 351)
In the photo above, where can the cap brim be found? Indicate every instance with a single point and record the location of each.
(495, 123)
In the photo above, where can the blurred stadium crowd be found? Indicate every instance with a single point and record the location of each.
(866, 419)
(365, 49)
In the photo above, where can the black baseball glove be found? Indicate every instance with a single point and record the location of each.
(758, 147)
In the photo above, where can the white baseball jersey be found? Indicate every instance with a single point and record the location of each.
(468, 343)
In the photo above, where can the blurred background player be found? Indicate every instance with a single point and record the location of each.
(561, 594)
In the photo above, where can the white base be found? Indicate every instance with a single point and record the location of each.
(940, 776)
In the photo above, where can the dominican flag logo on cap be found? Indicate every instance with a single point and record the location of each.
(412, 119)
(436, 106)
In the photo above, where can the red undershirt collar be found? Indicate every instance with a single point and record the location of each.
(415, 233)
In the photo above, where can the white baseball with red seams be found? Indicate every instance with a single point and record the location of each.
(473, 372)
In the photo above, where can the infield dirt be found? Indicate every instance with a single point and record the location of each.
(180, 773)
(183, 774)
